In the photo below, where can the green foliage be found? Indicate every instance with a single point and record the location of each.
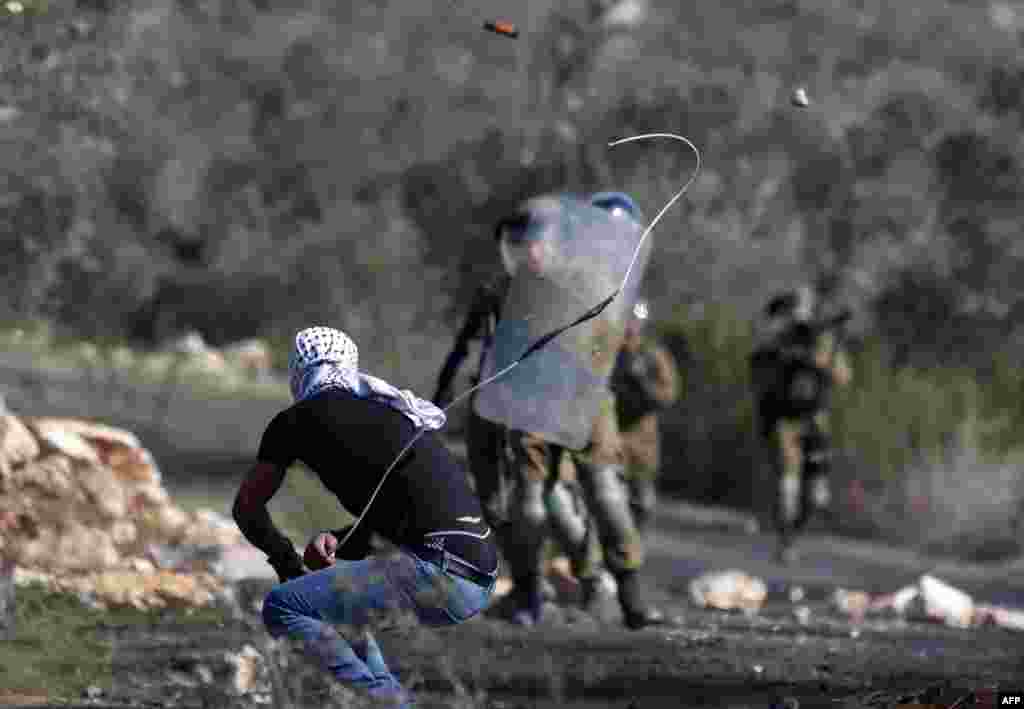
(247, 169)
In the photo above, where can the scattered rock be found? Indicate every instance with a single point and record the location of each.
(246, 666)
(897, 603)
(852, 603)
(930, 600)
(1001, 617)
(946, 604)
(728, 590)
(802, 614)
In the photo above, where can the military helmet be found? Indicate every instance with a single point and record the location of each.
(617, 204)
(797, 305)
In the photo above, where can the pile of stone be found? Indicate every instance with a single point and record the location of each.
(82, 509)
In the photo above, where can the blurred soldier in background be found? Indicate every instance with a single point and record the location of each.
(645, 381)
(799, 360)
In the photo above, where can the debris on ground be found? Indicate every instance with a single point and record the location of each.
(559, 585)
(944, 603)
(802, 615)
(85, 511)
(247, 670)
(854, 604)
(728, 590)
(931, 600)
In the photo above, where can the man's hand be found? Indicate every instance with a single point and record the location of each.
(320, 552)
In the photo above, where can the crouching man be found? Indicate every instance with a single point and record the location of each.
(348, 427)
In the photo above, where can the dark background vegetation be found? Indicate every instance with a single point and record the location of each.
(245, 167)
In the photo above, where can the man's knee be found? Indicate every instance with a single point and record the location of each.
(276, 611)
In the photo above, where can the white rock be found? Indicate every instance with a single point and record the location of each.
(728, 590)
(944, 603)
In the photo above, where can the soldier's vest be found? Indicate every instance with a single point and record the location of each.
(632, 400)
(792, 386)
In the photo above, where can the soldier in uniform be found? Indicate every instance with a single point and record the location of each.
(542, 467)
(645, 382)
(487, 442)
(793, 371)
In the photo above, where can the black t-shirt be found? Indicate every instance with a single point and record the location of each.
(349, 443)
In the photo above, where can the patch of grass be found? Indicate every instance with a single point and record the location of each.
(58, 647)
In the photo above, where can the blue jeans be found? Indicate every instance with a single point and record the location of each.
(354, 593)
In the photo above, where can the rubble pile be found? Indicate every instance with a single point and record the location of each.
(82, 509)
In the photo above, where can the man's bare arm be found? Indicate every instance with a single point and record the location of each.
(253, 518)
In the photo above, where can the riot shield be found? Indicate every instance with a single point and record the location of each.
(557, 391)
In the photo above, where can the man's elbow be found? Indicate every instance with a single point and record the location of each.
(242, 510)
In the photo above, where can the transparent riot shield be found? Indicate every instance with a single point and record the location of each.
(557, 391)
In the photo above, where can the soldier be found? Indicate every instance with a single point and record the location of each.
(793, 373)
(645, 381)
(485, 440)
(559, 412)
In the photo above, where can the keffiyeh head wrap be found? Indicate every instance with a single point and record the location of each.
(325, 358)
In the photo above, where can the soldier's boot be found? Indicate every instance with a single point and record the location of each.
(527, 601)
(636, 614)
(524, 542)
(590, 593)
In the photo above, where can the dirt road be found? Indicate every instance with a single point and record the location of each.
(713, 659)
